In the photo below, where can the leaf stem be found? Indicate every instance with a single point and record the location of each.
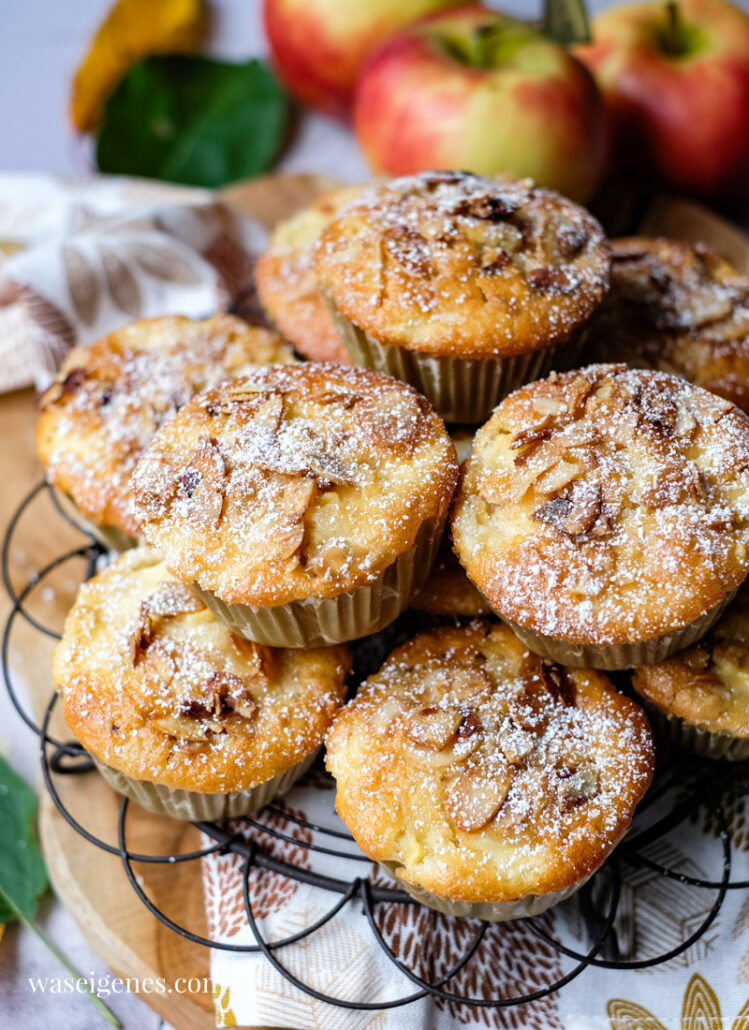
(93, 996)
(673, 38)
(566, 21)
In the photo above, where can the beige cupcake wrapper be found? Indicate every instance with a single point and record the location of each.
(194, 806)
(490, 911)
(464, 390)
(618, 656)
(321, 621)
(110, 537)
(683, 734)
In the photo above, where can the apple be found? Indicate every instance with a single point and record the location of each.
(319, 46)
(474, 89)
(676, 81)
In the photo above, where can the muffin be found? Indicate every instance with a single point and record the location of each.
(699, 698)
(489, 783)
(287, 284)
(108, 400)
(179, 713)
(463, 286)
(679, 308)
(305, 502)
(604, 514)
(449, 591)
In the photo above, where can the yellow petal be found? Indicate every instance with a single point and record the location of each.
(700, 1008)
(133, 29)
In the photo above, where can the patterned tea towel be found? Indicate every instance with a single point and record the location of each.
(80, 259)
(706, 988)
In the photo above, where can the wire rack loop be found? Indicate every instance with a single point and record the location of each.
(687, 784)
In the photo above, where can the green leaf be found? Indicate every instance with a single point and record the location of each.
(23, 876)
(566, 21)
(192, 120)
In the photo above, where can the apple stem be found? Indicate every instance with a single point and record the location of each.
(672, 34)
(566, 21)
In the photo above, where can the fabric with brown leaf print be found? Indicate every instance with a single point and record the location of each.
(704, 988)
(78, 260)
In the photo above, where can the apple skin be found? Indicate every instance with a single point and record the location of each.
(683, 119)
(537, 114)
(319, 46)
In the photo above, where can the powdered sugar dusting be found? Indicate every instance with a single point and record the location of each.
(607, 505)
(452, 262)
(516, 769)
(318, 478)
(110, 399)
(157, 687)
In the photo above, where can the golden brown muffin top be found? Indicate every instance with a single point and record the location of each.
(680, 308)
(708, 684)
(451, 263)
(484, 773)
(287, 283)
(607, 505)
(449, 591)
(155, 686)
(297, 481)
(109, 399)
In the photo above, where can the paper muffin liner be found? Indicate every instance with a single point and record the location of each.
(194, 806)
(683, 734)
(110, 537)
(490, 911)
(618, 656)
(463, 390)
(321, 621)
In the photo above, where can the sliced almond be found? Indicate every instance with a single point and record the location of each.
(183, 727)
(141, 635)
(515, 742)
(172, 599)
(432, 728)
(582, 785)
(296, 496)
(225, 692)
(477, 795)
(204, 483)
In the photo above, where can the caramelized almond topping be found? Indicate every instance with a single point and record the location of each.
(225, 692)
(477, 795)
(433, 728)
(203, 482)
(559, 684)
(575, 512)
(578, 786)
(551, 280)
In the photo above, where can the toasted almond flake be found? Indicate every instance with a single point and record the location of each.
(477, 795)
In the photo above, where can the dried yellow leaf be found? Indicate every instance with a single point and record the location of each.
(133, 29)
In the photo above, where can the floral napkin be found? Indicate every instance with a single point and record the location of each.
(80, 259)
(706, 987)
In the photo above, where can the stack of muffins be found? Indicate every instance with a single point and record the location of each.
(277, 510)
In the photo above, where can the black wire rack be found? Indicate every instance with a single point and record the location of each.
(683, 786)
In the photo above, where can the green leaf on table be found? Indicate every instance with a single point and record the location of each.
(566, 21)
(23, 875)
(192, 120)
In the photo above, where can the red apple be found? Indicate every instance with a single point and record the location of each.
(676, 80)
(477, 90)
(319, 46)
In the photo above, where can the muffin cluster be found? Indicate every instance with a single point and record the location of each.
(275, 513)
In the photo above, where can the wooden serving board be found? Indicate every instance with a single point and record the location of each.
(91, 883)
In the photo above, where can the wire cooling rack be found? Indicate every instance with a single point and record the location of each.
(683, 785)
